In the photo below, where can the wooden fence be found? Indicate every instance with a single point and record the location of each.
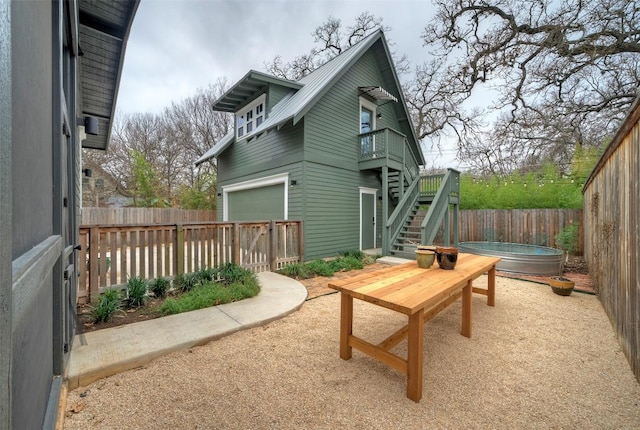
(529, 226)
(612, 221)
(113, 216)
(114, 253)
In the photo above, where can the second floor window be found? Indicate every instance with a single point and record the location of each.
(249, 118)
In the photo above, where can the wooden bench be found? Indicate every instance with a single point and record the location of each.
(418, 293)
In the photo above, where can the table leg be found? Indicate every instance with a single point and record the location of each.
(491, 296)
(415, 356)
(346, 325)
(466, 309)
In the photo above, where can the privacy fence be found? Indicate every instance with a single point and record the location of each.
(111, 254)
(528, 226)
(113, 216)
(612, 220)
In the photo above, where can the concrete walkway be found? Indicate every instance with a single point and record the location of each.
(103, 353)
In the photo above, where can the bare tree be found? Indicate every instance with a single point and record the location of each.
(565, 73)
(332, 38)
(170, 143)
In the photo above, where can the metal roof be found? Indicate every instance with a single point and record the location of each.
(251, 85)
(103, 31)
(313, 86)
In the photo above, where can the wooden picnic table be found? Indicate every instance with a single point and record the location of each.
(418, 293)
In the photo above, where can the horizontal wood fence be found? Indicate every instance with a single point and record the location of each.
(114, 253)
(111, 216)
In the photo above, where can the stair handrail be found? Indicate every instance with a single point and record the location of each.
(408, 202)
(413, 162)
(439, 205)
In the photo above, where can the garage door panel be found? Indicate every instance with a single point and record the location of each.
(263, 203)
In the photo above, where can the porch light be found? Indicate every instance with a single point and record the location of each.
(90, 124)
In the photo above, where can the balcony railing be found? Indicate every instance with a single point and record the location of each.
(388, 144)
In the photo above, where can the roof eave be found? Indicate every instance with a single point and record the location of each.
(118, 31)
(245, 90)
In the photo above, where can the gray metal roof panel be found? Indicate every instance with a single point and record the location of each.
(227, 140)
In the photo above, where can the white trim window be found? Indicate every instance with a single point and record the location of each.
(249, 118)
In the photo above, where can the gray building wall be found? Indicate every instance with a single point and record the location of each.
(32, 173)
(35, 224)
(6, 302)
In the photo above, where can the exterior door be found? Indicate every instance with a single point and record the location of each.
(367, 220)
(367, 124)
(65, 298)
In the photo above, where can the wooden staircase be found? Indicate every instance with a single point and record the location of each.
(437, 193)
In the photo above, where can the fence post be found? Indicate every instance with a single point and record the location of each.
(179, 254)
(236, 244)
(94, 248)
(300, 241)
(273, 245)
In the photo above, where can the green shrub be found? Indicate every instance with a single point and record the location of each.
(108, 304)
(346, 263)
(231, 273)
(295, 270)
(207, 275)
(355, 253)
(186, 281)
(211, 294)
(319, 268)
(136, 291)
(170, 307)
(159, 287)
(567, 239)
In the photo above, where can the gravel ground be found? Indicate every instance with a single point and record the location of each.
(536, 360)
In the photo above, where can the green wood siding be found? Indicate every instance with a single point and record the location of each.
(268, 152)
(332, 208)
(334, 122)
(276, 93)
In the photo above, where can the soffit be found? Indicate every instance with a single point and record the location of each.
(103, 30)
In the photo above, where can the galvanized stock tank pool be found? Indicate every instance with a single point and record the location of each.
(519, 258)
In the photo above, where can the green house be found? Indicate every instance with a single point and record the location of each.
(336, 149)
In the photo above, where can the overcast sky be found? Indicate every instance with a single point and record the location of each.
(178, 46)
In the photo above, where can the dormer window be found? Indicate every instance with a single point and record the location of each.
(249, 118)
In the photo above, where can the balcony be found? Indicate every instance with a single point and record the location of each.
(386, 147)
